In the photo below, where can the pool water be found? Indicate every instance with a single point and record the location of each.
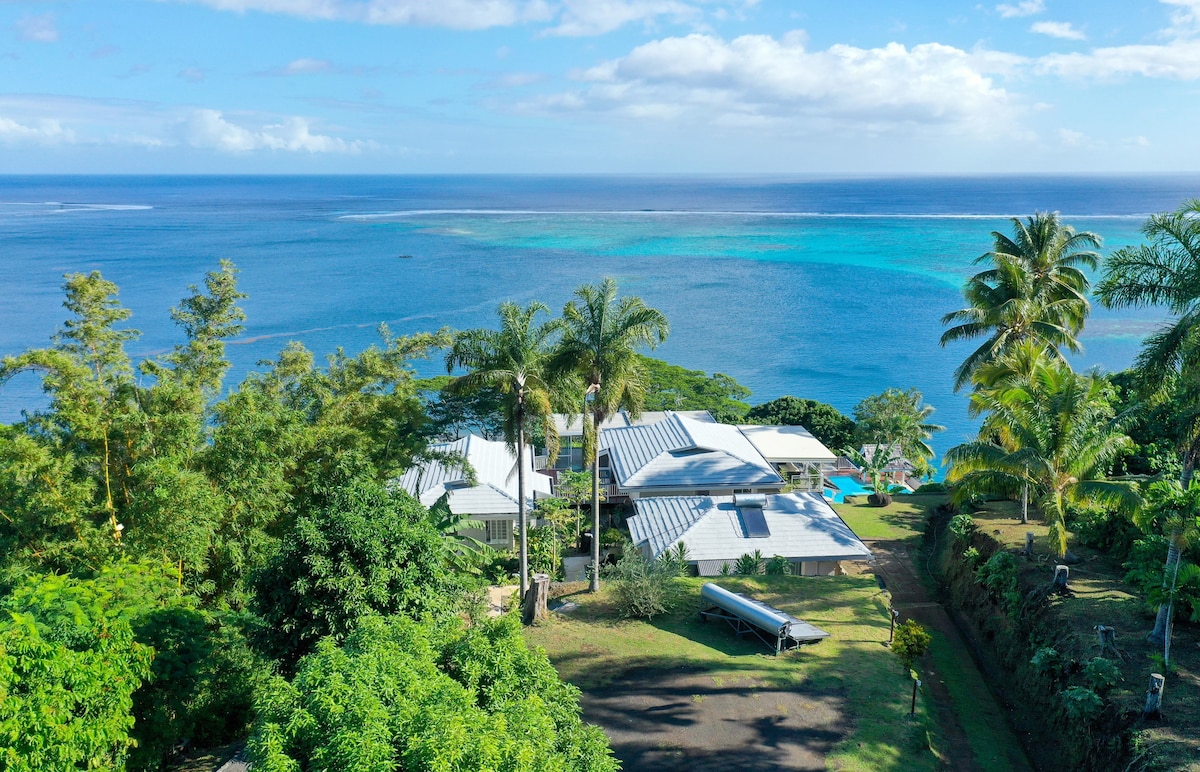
(847, 486)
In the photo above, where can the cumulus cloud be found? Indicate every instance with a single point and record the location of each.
(1057, 29)
(1023, 8)
(758, 79)
(1178, 58)
(596, 17)
(44, 132)
(40, 28)
(210, 129)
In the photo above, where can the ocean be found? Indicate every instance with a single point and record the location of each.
(826, 288)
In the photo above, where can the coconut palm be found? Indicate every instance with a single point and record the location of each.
(1054, 432)
(512, 359)
(897, 417)
(600, 338)
(1036, 289)
(1165, 272)
(1175, 511)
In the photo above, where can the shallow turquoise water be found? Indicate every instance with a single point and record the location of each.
(827, 289)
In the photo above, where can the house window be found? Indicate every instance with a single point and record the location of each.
(498, 531)
(741, 490)
(702, 493)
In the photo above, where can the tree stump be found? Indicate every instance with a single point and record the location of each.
(536, 598)
(1154, 697)
(1028, 551)
(1108, 641)
(1059, 585)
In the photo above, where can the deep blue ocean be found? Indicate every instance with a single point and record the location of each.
(825, 288)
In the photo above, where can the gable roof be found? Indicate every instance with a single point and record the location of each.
(496, 488)
(681, 452)
(802, 526)
(896, 461)
(571, 425)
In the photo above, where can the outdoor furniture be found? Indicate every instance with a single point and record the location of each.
(776, 628)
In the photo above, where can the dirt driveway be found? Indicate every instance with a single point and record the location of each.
(678, 719)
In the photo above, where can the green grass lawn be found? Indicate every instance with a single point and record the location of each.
(901, 520)
(592, 646)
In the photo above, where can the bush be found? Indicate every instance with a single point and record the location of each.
(910, 642)
(1048, 662)
(779, 566)
(420, 696)
(1081, 704)
(963, 527)
(932, 487)
(749, 565)
(999, 576)
(1101, 674)
(612, 537)
(643, 588)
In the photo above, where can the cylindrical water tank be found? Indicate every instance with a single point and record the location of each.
(754, 613)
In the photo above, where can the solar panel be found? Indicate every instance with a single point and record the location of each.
(756, 523)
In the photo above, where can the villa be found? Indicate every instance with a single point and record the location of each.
(716, 530)
(899, 469)
(489, 495)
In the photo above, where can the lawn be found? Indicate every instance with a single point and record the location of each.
(685, 687)
(901, 520)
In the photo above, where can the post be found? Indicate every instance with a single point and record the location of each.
(894, 615)
(1061, 573)
(535, 600)
(1154, 695)
(1028, 551)
(912, 711)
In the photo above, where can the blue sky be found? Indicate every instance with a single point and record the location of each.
(583, 86)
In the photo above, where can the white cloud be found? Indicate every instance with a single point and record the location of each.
(305, 67)
(193, 74)
(1071, 137)
(1023, 8)
(756, 80)
(206, 128)
(43, 131)
(41, 28)
(1178, 60)
(1058, 29)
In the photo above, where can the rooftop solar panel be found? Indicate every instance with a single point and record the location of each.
(756, 523)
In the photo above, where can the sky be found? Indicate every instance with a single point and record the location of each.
(599, 86)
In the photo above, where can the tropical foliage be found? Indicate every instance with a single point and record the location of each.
(823, 421)
(897, 417)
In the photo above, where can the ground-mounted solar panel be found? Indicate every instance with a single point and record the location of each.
(756, 523)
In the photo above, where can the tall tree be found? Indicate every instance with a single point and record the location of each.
(1166, 272)
(1035, 289)
(1054, 432)
(512, 359)
(897, 417)
(1175, 512)
(600, 338)
(825, 422)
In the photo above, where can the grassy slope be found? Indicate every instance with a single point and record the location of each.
(901, 520)
(1102, 597)
(592, 647)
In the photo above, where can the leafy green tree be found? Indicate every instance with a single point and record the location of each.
(512, 360)
(670, 387)
(823, 421)
(599, 342)
(455, 413)
(1035, 288)
(1166, 272)
(897, 417)
(1174, 512)
(355, 549)
(910, 643)
(874, 468)
(1054, 432)
(401, 694)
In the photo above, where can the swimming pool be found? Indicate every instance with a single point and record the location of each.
(847, 486)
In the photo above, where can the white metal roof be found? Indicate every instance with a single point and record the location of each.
(495, 467)
(782, 444)
(569, 425)
(803, 527)
(681, 452)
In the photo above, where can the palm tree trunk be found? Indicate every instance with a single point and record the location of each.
(595, 582)
(522, 524)
(1162, 620)
(1025, 504)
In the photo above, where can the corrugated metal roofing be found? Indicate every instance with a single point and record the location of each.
(803, 527)
(679, 452)
(572, 425)
(495, 466)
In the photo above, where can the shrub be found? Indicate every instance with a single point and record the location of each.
(963, 527)
(971, 557)
(749, 564)
(779, 566)
(643, 588)
(910, 642)
(1101, 674)
(999, 576)
(932, 487)
(1048, 662)
(612, 537)
(1080, 703)
(677, 559)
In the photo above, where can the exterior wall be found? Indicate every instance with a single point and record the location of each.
(480, 534)
(694, 492)
(799, 567)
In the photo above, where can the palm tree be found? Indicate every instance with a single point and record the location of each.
(1175, 511)
(512, 359)
(898, 417)
(601, 334)
(1054, 432)
(1165, 272)
(1035, 289)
